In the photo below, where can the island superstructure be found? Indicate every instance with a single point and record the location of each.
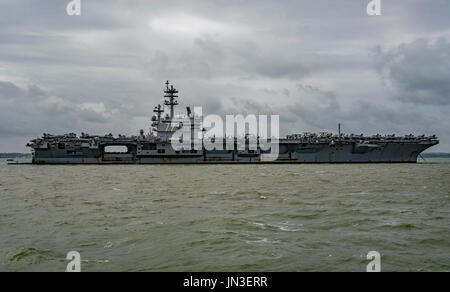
(156, 147)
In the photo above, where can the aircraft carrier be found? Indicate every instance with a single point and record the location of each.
(156, 147)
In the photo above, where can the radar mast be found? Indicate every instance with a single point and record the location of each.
(157, 110)
(171, 94)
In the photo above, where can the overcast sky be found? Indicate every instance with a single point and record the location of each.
(315, 63)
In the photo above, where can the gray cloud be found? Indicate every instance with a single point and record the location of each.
(31, 111)
(9, 90)
(420, 70)
(312, 62)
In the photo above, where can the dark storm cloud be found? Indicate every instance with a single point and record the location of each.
(311, 62)
(420, 70)
(323, 112)
(9, 90)
(29, 111)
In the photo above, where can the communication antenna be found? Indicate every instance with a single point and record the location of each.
(171, 94)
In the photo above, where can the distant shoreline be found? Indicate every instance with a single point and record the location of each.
(14, 155)
(436, 155)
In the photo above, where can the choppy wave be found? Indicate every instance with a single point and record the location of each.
(225, 218)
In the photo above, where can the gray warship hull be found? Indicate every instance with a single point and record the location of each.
(156, 147)
(290, 151)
